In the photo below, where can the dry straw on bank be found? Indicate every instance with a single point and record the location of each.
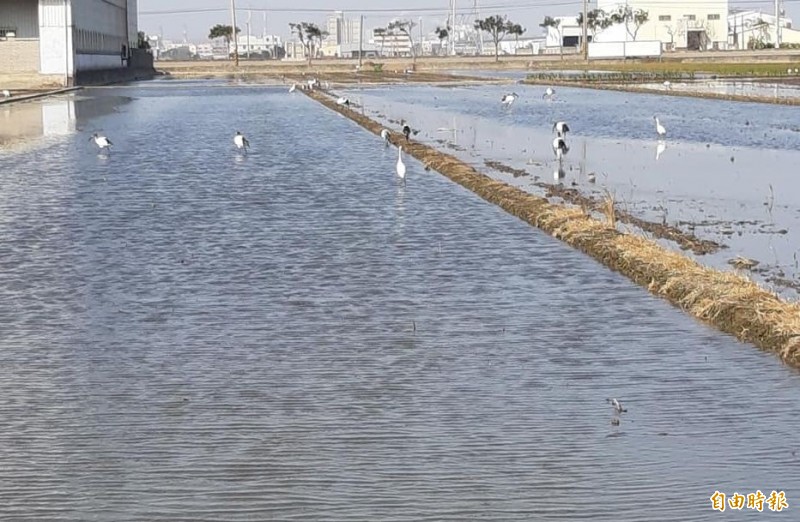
(732, 303)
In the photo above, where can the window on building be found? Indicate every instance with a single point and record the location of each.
(713, 17)
(690, 17)
(664, 18)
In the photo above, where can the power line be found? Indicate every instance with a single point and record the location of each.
(432, 10)
(442, 11)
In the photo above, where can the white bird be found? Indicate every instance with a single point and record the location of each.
(548, 93)
(616, 405)
(508, 99)
(343, 101)
(385, 136)
(560, 147)
(240, 141)
(101, 141)
(6, 93)
(561, 128)
(667, 85)
(559, 173)
(293, 87)
(660, 148)
(660, 128)
(401, 167)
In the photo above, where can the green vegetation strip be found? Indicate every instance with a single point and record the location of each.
(678, 68)
(664, 92)
(726, 300)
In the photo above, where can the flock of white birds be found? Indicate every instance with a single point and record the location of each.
(560, 145)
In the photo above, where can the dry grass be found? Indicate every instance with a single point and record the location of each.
(726, 300)
(610, 209)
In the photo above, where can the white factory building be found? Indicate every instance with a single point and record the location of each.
(688, 24)
(62, 38)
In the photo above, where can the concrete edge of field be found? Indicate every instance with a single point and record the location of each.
(43, 94)
(728, 301)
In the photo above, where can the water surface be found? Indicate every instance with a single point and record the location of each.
(725, 170)
(190, 333)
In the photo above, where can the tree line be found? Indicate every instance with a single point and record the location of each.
(497, 27)
(311, 35)
(598, 20)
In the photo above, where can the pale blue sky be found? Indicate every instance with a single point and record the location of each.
(526, 12)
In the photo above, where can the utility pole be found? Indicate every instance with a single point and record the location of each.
(585, 30)
(777, 24)
(360, 42)
(477, 16)
(453, 30)
(235, 38)
(249, 14)
(420, 35)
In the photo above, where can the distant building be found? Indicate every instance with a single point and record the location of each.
(518, 46)
(391, 43)
(687, 24)
(342, 30)
(267, 46)
(749, 29)
(64, 37)
(568, 33)
(294, 50)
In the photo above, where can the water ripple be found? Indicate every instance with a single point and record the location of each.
(192, 334)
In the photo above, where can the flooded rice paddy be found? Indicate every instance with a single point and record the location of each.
(191, 333)
(724, 172)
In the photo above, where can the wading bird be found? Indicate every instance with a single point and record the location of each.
(101, 141)
(560, 147)
(401, 167)
(508, 99)
(343, 101)
(293, 87)
(385, 136)
(618, 409)
(660, 128)
(240, 141)
(407, 131)
(561, 128)
(549, 93)
(6, 93)
(668, 85)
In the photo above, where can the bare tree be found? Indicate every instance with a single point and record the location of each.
(498, 27)
(596, 19)
(548, 22)
(405, 27)
(225, 32)
(629, 16)
(310, 36)
(380, 32)
(442, 33)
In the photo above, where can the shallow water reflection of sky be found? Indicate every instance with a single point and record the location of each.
(725, 169)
